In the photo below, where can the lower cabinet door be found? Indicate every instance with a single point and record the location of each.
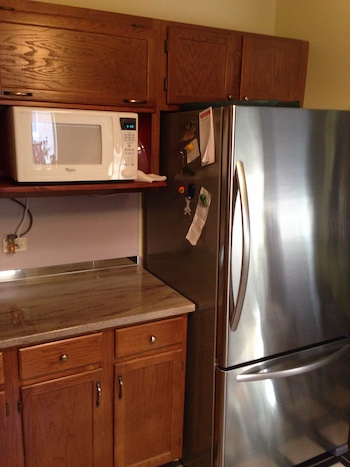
(3, 431)
(62, 422)
(149, 397)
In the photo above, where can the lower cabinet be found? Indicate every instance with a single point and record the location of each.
(61, 402)
(148, 410)
(61, 398)
(3, 417)
(62, 421)
(149, 393)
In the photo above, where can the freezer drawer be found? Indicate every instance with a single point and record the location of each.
(303, 411)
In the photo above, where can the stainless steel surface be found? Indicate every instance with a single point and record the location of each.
(297, 168)
(236, 310)
(263, 372)
(191, 270)
(19, 274)
(283, 422)
(297, 171)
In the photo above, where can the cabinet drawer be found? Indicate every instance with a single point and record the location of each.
(1, 369)
(150, 336)
(57, 357)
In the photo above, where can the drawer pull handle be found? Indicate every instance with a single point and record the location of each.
(153, 339)
(135, 101)
(64, 357)
(99, 394)
(121, 385)
(16, 93)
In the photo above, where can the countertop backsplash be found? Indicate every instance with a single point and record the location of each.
(72, 229)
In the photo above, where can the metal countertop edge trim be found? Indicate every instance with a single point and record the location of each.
(13, 275)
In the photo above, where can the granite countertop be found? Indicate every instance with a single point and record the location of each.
(42, 305)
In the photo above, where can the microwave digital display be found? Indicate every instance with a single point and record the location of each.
(128, 123)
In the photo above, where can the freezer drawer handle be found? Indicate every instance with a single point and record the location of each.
(299, 370)
(235, 315)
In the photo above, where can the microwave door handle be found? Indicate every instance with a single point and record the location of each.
(298, 370)
(241, 184)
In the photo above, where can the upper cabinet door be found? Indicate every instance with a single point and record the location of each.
(273, 68)
(73, 57)
(203, 64)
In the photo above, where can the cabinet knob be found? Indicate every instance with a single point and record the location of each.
(64, 357)
(152, 339)
(230, 97)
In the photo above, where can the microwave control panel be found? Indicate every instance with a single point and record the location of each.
(129, 163)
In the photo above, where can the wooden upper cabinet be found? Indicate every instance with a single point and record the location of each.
(76, 56)
(273, 68)
(207, 64)
(203, 64)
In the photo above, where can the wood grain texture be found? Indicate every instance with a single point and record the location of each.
(76, 56)
(45, 360)
(62, 415)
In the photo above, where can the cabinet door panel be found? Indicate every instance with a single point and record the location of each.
(273, 68)
(149, 410)
(3, 430)
(203, 64)
(62, 422)
(73, 66)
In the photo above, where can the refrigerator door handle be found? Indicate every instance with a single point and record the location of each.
(298, 370)
(236, 310)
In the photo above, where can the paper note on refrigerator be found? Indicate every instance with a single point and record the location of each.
(200, 217)
(206, 136)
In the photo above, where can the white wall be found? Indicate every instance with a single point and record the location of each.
(73, 229)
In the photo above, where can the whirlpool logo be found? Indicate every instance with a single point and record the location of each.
(68, 169)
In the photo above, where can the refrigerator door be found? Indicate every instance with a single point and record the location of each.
(296, 258)
(300, 412)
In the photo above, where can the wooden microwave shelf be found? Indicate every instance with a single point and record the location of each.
(11, 189)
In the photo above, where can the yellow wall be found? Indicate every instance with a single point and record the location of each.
(324, 23)
(242, 15)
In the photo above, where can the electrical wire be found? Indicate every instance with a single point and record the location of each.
(26, 213)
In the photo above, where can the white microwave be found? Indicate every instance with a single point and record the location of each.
(64, 145)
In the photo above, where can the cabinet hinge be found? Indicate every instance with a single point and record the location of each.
(19, 406)
(166, 46)
(7, 409)
(165, 84)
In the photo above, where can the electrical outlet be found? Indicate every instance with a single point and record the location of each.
(20, 244)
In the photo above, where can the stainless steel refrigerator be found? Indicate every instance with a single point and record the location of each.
(268, 377)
